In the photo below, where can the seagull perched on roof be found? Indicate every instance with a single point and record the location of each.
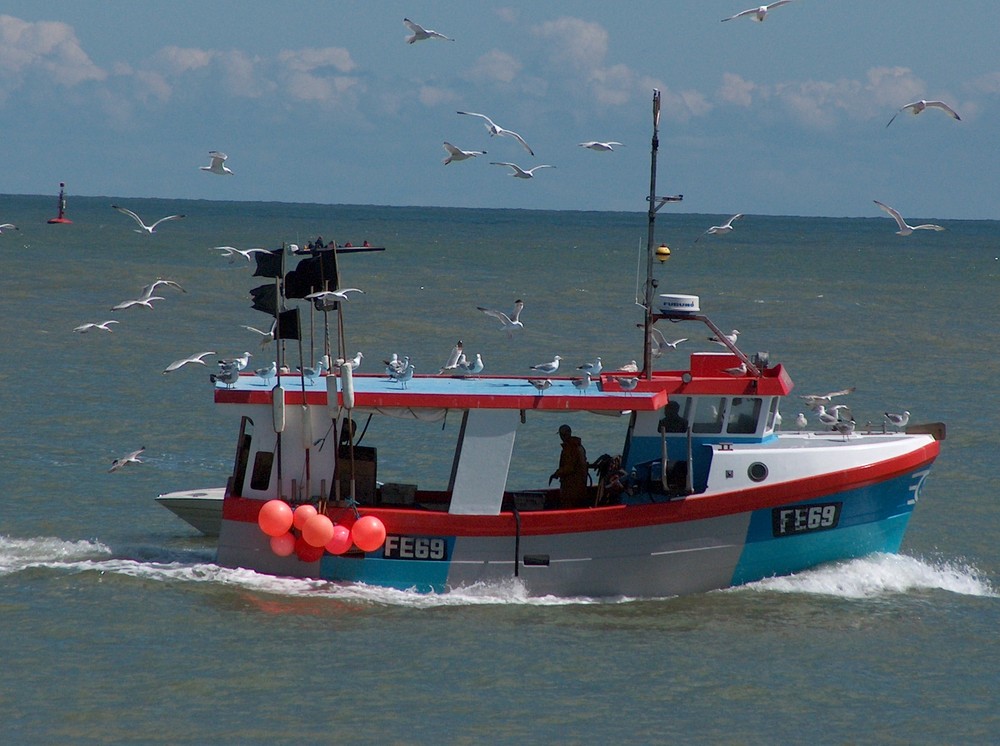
(218, 164)
(630, 367)
(466, 368)
(801, 421)
(917, 107)
(495, 129)
(130, 458)
(354, 362)
(228, 374)
(721, 229)
(84, 328)
(406, 375)
(457, 154)
(582, 383)
(143, 228)
(898, 420)
(758, 14)
(540, 383)
(269, 372)
(731, 337)
(422, 34)
(509, 324)
(592, 369)
(602, 147)
(518, 172)
(628, 384)
(547, 368)
(196, 359)
(904, 229)
(739, 370)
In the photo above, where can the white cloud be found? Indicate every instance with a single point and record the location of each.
(575, 43)
(495, 66)
(430, 95)
(737, 90)
(47, 47)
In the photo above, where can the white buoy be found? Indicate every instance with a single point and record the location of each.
(347, 384)
(278, 408)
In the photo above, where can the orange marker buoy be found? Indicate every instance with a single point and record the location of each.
(61, 217)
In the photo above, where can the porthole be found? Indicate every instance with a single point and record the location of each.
(757, 471)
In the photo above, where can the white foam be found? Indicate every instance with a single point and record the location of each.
(882, 575)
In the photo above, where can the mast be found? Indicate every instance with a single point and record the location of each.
(655, 203)
(647, 361)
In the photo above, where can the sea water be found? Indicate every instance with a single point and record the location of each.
(117, 626)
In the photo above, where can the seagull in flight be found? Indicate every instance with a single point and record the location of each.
(131, 458)
(330, 294)
(231, 252)
(600, 146)
(904, 229)
(473, 368)
(509, 324)
(721, 229)
(814, 400)
(8, 227)
(421, 34)
(146, 296)
(457, 154)
(758, 14)
(266, 337)
(218, 164)
(84, 328)
(495, 129)
(454, 357)
(918, 106)
(518, 172)
(547, 368)
(196, 359)
(143, 228)
(660, 343)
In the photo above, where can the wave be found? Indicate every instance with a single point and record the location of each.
(870, 577)
(882, 575)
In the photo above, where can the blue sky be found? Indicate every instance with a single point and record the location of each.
(325, 102)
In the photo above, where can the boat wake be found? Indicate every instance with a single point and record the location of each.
(881, 575)
(870, 577)
(198, 566)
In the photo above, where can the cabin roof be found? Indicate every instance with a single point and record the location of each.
(517, 392)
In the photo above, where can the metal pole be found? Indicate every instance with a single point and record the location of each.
(647, 360)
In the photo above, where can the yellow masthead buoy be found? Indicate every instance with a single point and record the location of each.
(662, 252)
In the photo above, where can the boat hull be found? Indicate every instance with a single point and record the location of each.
(692, 545)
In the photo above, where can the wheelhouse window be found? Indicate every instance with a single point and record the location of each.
(242, 454)
(743, 414)
(708, 415)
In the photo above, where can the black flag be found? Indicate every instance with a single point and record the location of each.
(318, 272)
(268, 264)
(288, 325)
(265, 298)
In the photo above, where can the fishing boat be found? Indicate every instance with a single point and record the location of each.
(706, 491)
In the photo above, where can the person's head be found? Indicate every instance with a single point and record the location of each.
(673, 407)
(565, 431)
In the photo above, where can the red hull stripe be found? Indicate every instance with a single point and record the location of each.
(429, 523)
